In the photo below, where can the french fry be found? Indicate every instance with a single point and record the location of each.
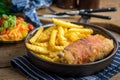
(52, 54)
(38, 49)
(65, 30)
(57, 42)
(82, 31)
(61, 38)
(59, 48)
(72, 36)
(44, 44)
(37, 34)
(45, 35)
(45, 58)
(83, 35)
(65, 23)
(49, 30)
(56, 59)
(52, 40)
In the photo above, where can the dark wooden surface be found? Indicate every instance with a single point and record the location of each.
(10, 51)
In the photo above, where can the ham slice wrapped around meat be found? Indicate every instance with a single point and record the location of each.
(90, 49)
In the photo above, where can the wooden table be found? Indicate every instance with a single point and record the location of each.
(10, 51)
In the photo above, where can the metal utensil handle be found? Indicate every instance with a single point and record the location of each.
(101, 10)
(94, 15)
(86, 10)
(51, 10)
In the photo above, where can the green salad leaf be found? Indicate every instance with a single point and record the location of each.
(9, 23)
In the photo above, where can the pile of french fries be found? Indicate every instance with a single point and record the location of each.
(47, 43)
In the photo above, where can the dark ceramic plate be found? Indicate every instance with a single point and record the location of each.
(74, 70)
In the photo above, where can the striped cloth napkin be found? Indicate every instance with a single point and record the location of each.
(22, 64)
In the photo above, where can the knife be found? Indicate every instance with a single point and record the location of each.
(52, 16)
(82, 14)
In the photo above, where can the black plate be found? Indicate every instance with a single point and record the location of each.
(74, 70)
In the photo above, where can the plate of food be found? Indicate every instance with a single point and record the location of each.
(13, 28)
(71, 49)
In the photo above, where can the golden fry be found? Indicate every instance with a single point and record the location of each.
(72, 36)
(82, 31)
(56, 59)
(37, 34)
(52, 54)
(75, 36)
(57, 42)
(43, 38)
(44, 44)
(38, 49)
(59, 48)
(45, 35)
(45, 57)
(65, 30)
(61, 38)
(83, 35)
(49, 30)
(52, 39)
(65, 24)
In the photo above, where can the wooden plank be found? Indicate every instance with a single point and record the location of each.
(10, 51)
(11, 74)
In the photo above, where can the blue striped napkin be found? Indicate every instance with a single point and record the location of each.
(33, 73)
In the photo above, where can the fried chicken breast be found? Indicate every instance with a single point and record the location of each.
(87, 50)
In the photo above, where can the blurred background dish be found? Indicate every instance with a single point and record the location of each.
(88, 4)
(78, 4)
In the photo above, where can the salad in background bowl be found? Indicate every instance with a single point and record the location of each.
(13, 28)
